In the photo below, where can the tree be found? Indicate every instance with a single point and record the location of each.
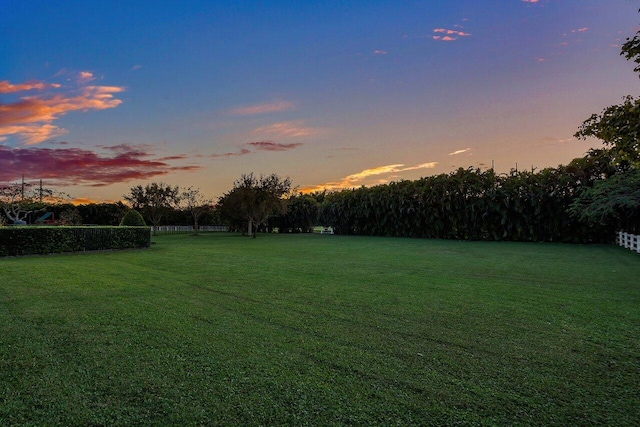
(197, 205)
(154, 200)
(618, 126)
(18, 200)
(613, 201)
(254, 200)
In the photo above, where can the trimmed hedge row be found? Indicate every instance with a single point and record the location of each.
(16, 241)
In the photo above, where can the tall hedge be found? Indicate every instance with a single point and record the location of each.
(16, 241)
(467, 204)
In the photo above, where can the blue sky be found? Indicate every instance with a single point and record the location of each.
(99, 96)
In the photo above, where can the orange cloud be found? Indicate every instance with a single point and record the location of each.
(294, 129)
(357, 179)
(264, 108)
(85, 76)
(30, 118)
(7, 87)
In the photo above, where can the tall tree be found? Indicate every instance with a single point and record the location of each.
(618, 126)
(154, 200)
(255, 199)
(197, 205)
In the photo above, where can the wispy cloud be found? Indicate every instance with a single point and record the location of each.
(455, 153)
(30, 118)
(379, 52)
(359, 178)
(242, 152)
(561, 140)
(530, 1)
(292, 129)
(64, 166)
(273, 146)
(259, 146)
(263, 108)
(7, 87)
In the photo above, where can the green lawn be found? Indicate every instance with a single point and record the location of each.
(322, 330)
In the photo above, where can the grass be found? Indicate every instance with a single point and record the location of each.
(322, 330)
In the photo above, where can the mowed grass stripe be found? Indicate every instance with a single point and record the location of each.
(322, 330)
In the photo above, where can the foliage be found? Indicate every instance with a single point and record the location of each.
(196, 204)
(469, 204)
(614, 200)
(103, 213)
(133, 218)
(70, 216)
(631, 50)
(154, 200)
(332, 331)
(301, 215)
(618, 126)
(16, 241)
(253, 200)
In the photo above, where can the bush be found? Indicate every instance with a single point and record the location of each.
(133, 218)
(16, 241)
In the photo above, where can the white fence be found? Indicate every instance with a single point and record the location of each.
(185, 229)
(629, 241)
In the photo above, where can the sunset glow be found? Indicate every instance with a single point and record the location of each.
(332, 95)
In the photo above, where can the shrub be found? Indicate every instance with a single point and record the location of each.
(15, 241)
(133, 219)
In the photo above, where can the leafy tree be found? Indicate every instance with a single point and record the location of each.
(253, 200)
(133, 218)
(618, 126)
(103, 213)
(301, 215)
(71, 216)
(613, 201)
(197, 205)
(154, 200)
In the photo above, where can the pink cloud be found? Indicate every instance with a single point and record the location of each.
(294, 129)
(449, 35)
(65, 166)
(30, 118)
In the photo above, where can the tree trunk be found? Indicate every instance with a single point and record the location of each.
(249, 228)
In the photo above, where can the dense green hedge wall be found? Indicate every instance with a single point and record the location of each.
(468, 204)
(16, 241)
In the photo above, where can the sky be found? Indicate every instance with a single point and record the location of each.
(99, 96)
